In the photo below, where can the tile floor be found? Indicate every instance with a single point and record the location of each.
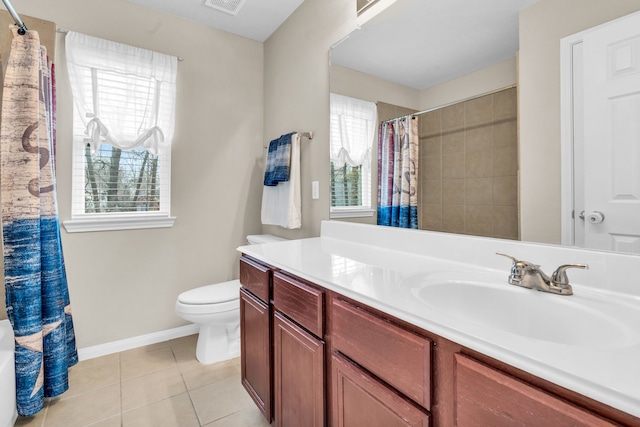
(158, 385)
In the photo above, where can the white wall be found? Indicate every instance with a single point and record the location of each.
(494, 77)
(542, 25)
(356, 84)
(125, 283)
(296, 71)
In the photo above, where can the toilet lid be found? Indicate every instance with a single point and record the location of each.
(211, 294)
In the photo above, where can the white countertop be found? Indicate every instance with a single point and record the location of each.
(372, 265)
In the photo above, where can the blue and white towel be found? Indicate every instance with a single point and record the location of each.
(281, 204)
(278, 164)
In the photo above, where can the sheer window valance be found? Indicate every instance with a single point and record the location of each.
(353, 127)
(125, 95)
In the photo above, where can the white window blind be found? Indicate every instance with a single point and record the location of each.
(352, 133)
(123, 123)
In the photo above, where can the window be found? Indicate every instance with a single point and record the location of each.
(353, 127)
(123, 120)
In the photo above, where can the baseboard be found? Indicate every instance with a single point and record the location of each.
(134, 342)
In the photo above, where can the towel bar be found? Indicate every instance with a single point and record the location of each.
(308, 135)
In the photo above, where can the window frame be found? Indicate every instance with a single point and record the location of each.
(158, 70)
(111, 221)
(360, 211)
(367, 207)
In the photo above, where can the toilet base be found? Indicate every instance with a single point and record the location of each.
(217, 343)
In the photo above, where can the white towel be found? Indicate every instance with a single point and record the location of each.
(281, 203)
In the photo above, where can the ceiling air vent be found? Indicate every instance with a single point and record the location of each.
(232, 7)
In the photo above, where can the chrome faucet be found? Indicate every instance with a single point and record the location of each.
(529, 275)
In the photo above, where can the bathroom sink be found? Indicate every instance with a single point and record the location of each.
(485, 299)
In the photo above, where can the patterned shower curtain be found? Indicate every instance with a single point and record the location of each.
(37, 296)
(398, 144)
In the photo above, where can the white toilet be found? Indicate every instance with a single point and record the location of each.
(216, 308)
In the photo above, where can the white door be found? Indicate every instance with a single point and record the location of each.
(611, 135)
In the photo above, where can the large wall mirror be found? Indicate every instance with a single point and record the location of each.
(485, 81)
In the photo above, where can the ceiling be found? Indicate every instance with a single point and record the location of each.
(421, 43)
(256, 19)
(417, 43)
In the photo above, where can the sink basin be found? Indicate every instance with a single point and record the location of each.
(487, 300)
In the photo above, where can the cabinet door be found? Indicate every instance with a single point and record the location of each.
(359, 400)
(298, 376)
(255, 354)
(487, 397)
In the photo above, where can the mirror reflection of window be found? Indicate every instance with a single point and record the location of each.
(353, 130)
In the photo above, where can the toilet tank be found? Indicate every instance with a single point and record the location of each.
(258, 239)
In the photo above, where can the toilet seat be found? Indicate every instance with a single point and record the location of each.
(210, 299)
(212, 294)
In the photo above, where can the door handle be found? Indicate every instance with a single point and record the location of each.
(581, 215)
(595, 217)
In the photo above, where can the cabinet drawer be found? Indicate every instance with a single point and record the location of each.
(255, 278)
(360, 400)
(398, 357)
(487, 397)
(300, 302)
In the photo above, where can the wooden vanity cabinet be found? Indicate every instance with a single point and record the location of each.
(255, 333)
(345, 364)
(485, 396)
(381, 372)
(299, 353)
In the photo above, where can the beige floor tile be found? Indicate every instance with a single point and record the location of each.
(250, 417)
(199, 375)
(150, 347)
(137, 363)
(85, 378)
(84, 409)
(189, 340)
(220, 399)
(174, 412)
(102, 360)
(185, 353)
(109, 422)
(151, 388)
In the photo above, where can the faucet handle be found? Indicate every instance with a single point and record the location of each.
(514, 259)
(560, 278)
(518, 269)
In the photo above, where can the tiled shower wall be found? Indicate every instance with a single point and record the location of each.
(468, 167)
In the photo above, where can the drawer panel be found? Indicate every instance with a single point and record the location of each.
(400, 358)
(300, 302)
(255, 277)
(360, 400)
(487, 397)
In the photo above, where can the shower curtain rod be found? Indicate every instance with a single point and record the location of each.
(471, 98)
(22, 28)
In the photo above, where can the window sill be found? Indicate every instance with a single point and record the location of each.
(351, 213)
(81, 225)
